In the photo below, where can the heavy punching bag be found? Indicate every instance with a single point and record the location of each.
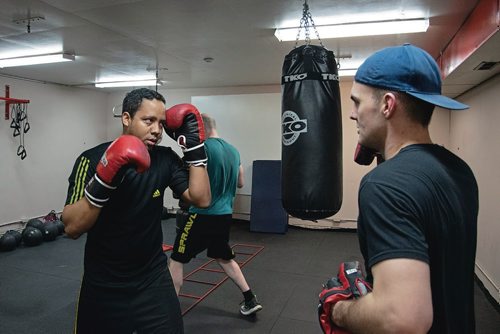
(311, 119)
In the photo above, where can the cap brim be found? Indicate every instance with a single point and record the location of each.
(440, 101)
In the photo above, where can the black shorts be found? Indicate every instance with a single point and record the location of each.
(151, 309)
(200, 232)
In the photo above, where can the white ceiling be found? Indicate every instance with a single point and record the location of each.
(133, 37)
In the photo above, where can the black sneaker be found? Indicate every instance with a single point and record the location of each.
(250, 307)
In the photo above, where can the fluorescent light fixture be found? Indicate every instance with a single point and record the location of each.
(348, 67)
(36, 59)
(348, 72)
(133, 83)
(371, 28)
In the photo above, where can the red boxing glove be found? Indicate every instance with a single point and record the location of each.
(124, 152)
(348, 284)
(184, 124)
(364, 155)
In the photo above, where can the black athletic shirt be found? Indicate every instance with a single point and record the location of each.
(423, 204)
(124, 247)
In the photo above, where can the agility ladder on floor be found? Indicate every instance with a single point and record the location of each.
(214, 285)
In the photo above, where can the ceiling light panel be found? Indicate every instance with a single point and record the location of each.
(36, 59)
(357, 29)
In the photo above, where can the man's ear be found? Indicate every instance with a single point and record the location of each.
(126, 119)
(389, 104)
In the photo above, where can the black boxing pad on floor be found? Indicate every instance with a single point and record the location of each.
(50, 231)
(36, 223)
(17, 235)
(60, 226)
(32, 236)
(311, 133)
(7, 242)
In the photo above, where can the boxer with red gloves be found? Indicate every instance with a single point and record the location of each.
(115, 196)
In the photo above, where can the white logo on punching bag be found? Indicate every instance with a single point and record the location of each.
(291, 127)
(295, 77)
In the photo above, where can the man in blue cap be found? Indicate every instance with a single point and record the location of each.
(418, 209)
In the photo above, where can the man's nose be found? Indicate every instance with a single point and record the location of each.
(157, 127)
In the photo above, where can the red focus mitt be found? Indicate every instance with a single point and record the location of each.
(348, 284)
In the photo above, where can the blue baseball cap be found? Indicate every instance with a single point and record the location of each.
(407, 69)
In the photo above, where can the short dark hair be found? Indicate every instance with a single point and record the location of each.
(133, 99)
(418, 110)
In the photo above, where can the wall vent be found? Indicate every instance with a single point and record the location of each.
(485, 65)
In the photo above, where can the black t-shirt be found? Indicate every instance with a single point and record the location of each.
(124, 247)
(423, 204)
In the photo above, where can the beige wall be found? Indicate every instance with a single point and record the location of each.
(64, 121)
(474, 136)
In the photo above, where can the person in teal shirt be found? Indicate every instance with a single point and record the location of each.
(209, 228)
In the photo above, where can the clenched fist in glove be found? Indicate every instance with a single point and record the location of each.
(364, 155)
(183, 123)
(123, 153)
(348, 284)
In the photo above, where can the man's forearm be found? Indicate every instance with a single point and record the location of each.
(79, 217)
(371, 315)
(340, 312)
(359, 316)
(199, 187)
(401, 301)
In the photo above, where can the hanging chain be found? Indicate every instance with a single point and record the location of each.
(307, 21)
(156, 78)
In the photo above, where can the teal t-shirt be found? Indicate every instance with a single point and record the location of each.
(222, 167)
